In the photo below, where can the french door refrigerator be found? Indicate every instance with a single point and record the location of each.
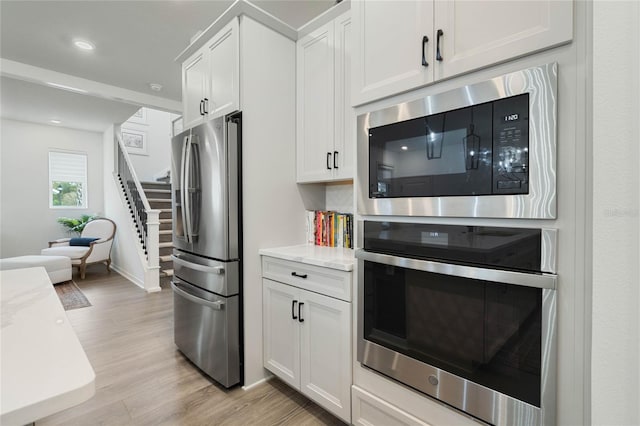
(207, 240)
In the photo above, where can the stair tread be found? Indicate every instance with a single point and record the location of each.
(165, 231)
(167, 272)
(164, 210)
(158, 191)
(166, 220)
(166, 244)
(165, 258)
(159, 200)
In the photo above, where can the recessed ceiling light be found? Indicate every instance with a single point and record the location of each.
(155, 87)
(62, 86)
(83, 44)
(404, 147)
(55, 121)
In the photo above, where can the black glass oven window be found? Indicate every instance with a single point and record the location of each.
(477, 150)
(485, 332)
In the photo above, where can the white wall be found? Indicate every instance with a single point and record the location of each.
(125, 257)
(157, 126)
(26, 221)
(615, 368)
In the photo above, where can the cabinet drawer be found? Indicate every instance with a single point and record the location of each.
(327, 281)
(370, 410)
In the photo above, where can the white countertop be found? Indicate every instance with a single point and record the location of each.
(328, 257)
(44, 368)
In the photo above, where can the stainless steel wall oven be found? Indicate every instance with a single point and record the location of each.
(483, 150)
(465, 314)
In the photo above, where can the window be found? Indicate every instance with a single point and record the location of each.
(67, 180)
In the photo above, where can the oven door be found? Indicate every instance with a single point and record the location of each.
(480, 340)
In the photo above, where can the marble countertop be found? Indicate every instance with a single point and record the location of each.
(44, 368)
(328, 257)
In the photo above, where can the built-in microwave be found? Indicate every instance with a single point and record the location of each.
(483, 150)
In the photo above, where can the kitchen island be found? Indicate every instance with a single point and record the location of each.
(44, 368)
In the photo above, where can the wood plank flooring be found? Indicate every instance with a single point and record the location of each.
(142, 379)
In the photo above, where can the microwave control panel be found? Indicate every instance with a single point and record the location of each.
(511, 145)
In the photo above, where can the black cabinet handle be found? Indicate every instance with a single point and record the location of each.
(299, 312)
(201, 107)
(335, 159)
(328, 160)
(293, 309)
(425, 40)
(439, 34)
(295, 274)
(206, 105)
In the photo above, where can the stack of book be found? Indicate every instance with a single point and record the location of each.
(330, 229)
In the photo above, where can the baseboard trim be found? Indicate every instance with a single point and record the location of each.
(128, 276)
(259, 382)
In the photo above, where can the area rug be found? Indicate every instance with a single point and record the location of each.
(71, 296)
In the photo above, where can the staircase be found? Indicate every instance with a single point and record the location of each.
(159, 197)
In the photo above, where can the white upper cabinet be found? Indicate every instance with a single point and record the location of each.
(345, 119)
(194, 86)
(402, 45)
(476, 34)
(210, 78)
(224, 75)
(324, 114)
(389, 45)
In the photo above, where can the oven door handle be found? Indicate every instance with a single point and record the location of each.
(508, 277)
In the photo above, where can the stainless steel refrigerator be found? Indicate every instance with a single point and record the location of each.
(207, 240)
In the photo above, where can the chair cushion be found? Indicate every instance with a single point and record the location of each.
(73, 252)
(58, 267)
(84, 241)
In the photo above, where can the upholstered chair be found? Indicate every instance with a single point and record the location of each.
(98, 250)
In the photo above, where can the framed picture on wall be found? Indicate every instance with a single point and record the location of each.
(139, 117)
(135, 141)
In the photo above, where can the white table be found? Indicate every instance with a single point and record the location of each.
(43, 366)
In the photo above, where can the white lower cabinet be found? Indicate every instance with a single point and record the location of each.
(369, 410)
(307, 344)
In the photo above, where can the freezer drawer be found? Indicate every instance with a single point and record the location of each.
(206, 330)
(218, 277)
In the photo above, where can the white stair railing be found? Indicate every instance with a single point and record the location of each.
(146, 220)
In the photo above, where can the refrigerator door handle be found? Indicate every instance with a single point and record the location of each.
(183, 187)
(217, 305)
(197, 267)
(187, 195)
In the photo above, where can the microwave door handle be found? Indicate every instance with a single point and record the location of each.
(183, 187)
(187, 197)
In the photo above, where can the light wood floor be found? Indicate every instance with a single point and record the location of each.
(142, 379)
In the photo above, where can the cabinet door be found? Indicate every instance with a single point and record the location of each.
(345, 123)
(477, 34)
(315, 86)
(194, 79)
(388, 47)
(281, 331)
(325, 354)
(224, 71)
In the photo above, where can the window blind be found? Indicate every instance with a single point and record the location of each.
(67, 167)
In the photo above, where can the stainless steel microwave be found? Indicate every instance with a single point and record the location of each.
(483, 150)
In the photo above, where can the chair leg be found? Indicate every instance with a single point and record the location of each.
(83, 267)
(108, 263)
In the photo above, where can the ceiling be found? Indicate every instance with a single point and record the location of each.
(136, 44)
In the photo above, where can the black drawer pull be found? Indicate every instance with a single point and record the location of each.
(293, 309)
(300, 313)
(294, 274)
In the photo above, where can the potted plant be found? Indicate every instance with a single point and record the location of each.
(75, 225)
